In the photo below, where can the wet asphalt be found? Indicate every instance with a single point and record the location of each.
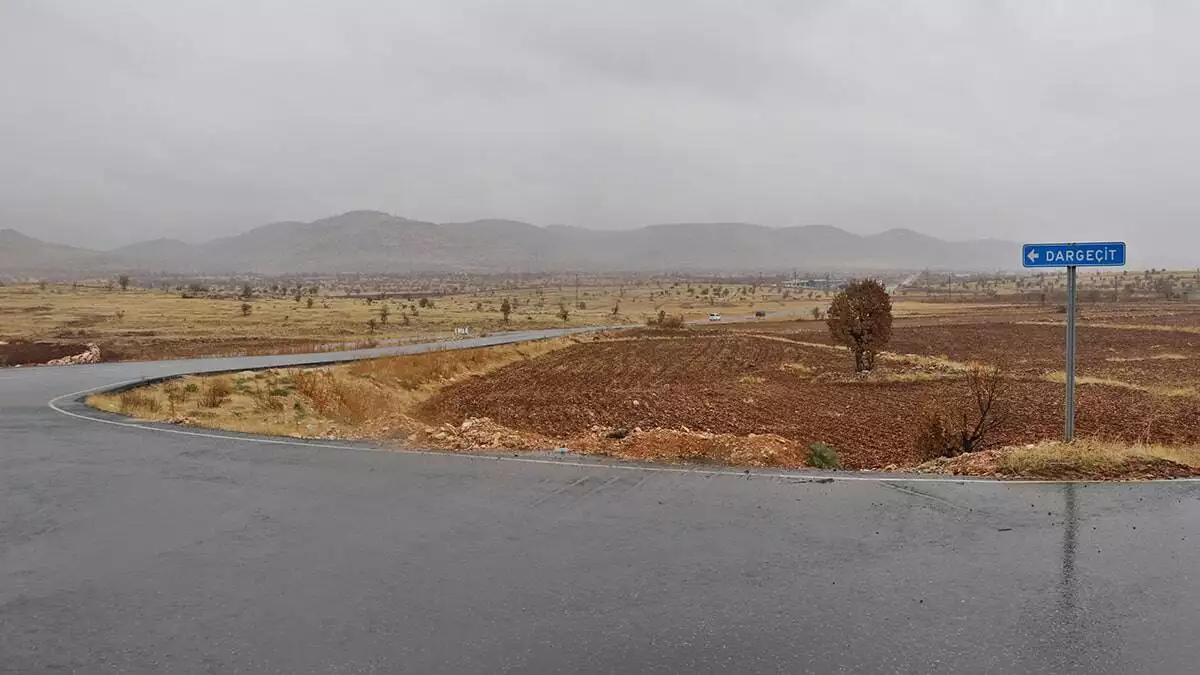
(127, 549)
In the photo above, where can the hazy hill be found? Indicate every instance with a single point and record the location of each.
(375, 242)
(19, 252)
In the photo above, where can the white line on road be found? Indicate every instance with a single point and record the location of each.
(731, 472)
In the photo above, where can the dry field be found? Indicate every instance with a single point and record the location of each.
(802, 391)
(142, 324)
(759, 394)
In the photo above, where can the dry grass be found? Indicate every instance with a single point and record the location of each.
(134, 401)
(1089, 456)
(1060, 377)
(152, 324)
(1156, 357)
(361, 399)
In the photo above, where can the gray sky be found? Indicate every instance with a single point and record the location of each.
(131, 119)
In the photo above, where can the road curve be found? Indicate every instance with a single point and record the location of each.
(127, 550)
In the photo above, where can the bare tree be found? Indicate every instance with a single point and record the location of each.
(123, 281)
(972, 425)
(383, 314)
(861, 318)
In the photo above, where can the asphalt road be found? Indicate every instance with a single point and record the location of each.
(126, 549)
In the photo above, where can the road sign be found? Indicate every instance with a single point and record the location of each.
(1089, 254)
(1071, 256)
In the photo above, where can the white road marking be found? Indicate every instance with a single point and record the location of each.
(731, 472)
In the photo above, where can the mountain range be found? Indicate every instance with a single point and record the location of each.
(376, 243)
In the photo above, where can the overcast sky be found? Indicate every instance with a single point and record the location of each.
(131, 119)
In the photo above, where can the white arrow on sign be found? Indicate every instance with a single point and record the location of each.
(1033, 255)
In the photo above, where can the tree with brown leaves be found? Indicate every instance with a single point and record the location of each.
(861, 318)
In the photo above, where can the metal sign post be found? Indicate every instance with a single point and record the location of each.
(1069, 426)
(1072, 256)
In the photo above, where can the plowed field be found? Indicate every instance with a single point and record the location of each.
(726, 382)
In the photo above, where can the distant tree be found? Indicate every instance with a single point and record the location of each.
(246, 307)
(423, 302)
(563, 313)
(371, 324)
(816, 312)
(861, 319)
(309, 303)
(42, 285)
(123, 281)
(383, 314)
(247, 291)
(1164, 286)
(616, 309)
(505, 309)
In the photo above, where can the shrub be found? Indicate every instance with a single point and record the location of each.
(135, 400)
(822, 456)
(933, 438)
(246, 307)
(191, 387)
(973, 423)
(215, 393)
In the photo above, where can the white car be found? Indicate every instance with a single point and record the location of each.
(714, 317)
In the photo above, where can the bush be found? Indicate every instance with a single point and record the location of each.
(822, 456)
(134, 400)
(934, 438)
(215, 393)
(971, 424)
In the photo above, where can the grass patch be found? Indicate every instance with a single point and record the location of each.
(1091, 457)
(361, 399)
(822, 456)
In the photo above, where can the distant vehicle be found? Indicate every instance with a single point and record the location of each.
(714, 317)
(759, 314)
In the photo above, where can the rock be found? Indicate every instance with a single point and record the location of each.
(92, 355)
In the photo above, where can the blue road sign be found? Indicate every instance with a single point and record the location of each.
(1088, 254)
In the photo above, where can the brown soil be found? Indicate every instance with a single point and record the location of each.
(32, 353)
(730, 384)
